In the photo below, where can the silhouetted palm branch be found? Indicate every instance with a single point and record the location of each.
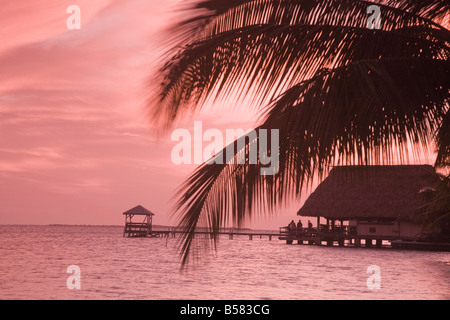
(339, 93)
(443, 143)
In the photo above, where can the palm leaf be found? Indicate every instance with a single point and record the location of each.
(436, 10)
(322, 123)
(285, 39)
(443, 143)
(215, 16)
(283, 55)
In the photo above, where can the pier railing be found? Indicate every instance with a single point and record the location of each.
(137, 229)
(204, 232)
(323, 230)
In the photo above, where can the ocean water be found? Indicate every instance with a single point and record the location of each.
(34, 262)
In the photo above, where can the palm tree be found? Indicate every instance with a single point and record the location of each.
(437, 212)
(339, 91)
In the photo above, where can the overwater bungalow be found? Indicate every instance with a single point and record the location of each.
(360, 205)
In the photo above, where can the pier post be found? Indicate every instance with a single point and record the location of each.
(357, 242)
(368, 243)
(317, 241)
(270, 237)
(250, 237)
(379, 243)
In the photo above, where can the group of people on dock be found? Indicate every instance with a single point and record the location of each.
(293, 228)
(296, 229)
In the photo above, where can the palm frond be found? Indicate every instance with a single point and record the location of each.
(437, 211)
(216, 16)
(265, 60)
(443, 143)
(436, 10)
(218, 195)
(356, 114)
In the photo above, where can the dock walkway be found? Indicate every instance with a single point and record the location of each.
(347, 236)
(337, 236)
(172, 232)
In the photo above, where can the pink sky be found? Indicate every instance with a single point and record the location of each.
(75, 145)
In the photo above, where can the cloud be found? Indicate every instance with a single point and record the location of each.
(74, 126)
(34, 21)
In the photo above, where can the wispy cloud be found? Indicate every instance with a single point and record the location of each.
(71, 100)
(73, 123)
(34, 21)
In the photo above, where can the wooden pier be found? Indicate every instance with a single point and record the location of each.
(328, 234)
(144, 228)
(341, 236)
(231, 233)
(344, 236)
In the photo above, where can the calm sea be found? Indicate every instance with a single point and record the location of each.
(34, 262)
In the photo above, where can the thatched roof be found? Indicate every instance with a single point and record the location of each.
(359, 192)
(139, 210)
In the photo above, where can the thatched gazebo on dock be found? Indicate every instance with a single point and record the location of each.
(142, 228)
(371, 203)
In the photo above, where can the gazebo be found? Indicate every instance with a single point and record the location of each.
(142, 228)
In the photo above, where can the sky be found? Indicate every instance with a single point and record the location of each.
(76, 145)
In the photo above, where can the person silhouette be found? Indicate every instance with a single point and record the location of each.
(292, 227)
(299, 226)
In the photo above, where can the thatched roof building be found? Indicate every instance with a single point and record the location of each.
(139, 210)
(371, 192)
